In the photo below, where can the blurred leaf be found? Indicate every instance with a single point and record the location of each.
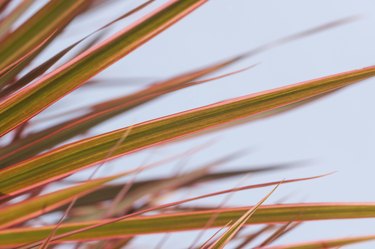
(7, 22)
(3, 5)
(50, 137)
(9, 72)
(162, 186)
(51, 17)
(281, 231)
(109, 192)
(17, 84)
(247, 239)
(25, 210)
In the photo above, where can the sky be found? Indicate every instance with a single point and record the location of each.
(334, 134)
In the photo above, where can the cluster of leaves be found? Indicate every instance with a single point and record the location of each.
(112, 215)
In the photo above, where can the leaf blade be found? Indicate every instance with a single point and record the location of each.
(195, 220)
(82, 154)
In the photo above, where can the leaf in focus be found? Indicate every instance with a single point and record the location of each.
(76, 156)
(192, 221)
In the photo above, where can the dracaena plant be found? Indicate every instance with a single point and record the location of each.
(95, 212)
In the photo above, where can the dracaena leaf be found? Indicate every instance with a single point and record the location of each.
(76, 156)
(191, 221)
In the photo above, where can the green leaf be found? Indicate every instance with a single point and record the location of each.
(192, 221)
(32, 99)
(70, 158)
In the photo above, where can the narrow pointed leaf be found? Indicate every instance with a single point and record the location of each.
(70, 158)
(193, 221)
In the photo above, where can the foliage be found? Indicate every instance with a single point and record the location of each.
(97, 212)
